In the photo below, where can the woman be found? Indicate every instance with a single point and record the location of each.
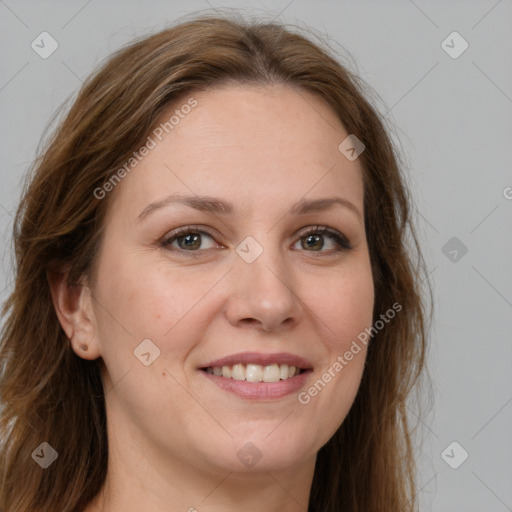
(215, 305)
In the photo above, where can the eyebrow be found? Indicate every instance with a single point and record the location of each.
(218, 206)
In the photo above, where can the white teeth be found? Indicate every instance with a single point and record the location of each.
(271, 373)
(238, 372)
(255, 372)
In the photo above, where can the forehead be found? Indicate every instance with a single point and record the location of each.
(253, 145)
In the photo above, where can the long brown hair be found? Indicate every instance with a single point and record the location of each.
(49, 394)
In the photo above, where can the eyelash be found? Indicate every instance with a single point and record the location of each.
(341, 241)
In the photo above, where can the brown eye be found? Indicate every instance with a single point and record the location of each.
(192, 241)
(314, 240)
(187, 240)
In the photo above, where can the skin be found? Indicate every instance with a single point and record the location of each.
(173, 435)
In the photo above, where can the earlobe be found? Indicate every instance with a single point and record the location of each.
(73, 306)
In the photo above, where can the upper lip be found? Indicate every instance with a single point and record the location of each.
(261, 359)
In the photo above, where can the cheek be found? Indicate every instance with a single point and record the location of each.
(345, 310)
(147, 303)
(346, 307)
(155, 301)
(148, 300)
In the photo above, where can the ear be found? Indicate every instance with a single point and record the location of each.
(73, 304)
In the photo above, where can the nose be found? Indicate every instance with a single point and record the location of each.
(262, 293)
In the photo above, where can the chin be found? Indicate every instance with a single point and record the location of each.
(257, 453)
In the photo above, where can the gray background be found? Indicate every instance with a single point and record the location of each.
(453, 120)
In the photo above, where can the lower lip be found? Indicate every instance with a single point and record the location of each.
(259, 390)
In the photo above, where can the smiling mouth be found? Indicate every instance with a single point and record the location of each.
(256, 372)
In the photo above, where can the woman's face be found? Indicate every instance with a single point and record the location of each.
(252, 287)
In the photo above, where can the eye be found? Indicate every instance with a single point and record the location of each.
(315, 239)
(190, 240)
(187, 239)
